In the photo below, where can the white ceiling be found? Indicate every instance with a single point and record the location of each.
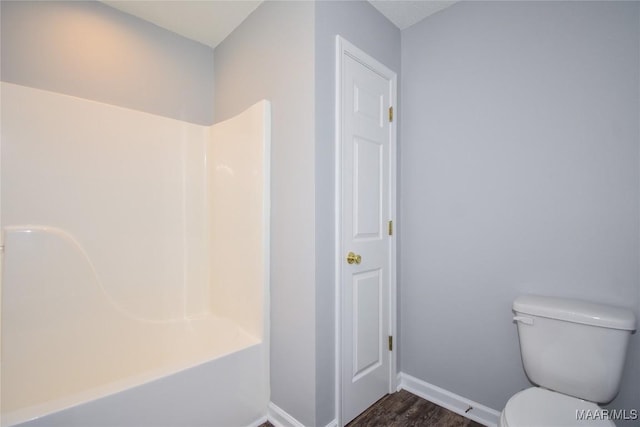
(211, 21)
(405, 13)
(208, 22)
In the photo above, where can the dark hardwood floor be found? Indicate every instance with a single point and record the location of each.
(403, 409)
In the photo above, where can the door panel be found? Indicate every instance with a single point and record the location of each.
(367, 188)
(367, 298)
(368, 104)
(365, 171)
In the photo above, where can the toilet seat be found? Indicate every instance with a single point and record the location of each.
(537, 407)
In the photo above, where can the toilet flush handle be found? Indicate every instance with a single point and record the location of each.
(523, 319)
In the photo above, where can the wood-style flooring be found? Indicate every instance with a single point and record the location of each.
(403, 409)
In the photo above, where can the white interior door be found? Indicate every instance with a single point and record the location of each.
(366, 208)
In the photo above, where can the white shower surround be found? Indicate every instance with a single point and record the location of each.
(136, 247)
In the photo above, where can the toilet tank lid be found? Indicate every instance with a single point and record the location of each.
(576, 311)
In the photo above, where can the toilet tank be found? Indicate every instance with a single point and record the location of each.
(573, 347)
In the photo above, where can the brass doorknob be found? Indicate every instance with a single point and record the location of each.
(353, 258)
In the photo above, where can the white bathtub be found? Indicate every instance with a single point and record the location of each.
(70, 357)
(132, 296)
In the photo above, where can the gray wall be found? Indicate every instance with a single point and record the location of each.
(285, 52)
(519, 174)
(270, 56)
(361, 24)
(92, 51)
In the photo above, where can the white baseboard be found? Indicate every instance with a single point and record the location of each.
(458, 404)
(280, 418)
(451, 401)
(258, 422)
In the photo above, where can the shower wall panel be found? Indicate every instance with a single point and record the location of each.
(129, 186)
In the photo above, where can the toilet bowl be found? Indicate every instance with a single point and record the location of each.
(574, 352)
(538, 407)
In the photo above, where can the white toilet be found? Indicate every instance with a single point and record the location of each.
(574, 352)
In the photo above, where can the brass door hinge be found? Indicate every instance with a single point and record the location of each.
(390, 343)
(390, 228)
(390, 114)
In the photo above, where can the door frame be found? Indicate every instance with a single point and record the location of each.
(345, 48)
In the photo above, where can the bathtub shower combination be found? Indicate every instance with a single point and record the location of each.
(135, 265)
